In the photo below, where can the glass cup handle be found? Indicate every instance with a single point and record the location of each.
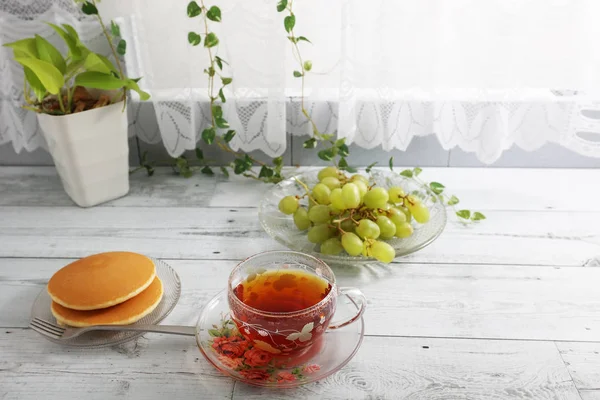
(359, 300)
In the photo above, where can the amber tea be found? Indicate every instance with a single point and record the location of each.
(282, 290)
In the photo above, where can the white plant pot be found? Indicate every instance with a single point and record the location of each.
(90, 150)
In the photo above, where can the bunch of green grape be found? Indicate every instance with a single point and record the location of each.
(354, 215)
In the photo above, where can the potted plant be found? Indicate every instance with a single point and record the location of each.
(80, 99)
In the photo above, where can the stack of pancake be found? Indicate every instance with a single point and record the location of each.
(115, 288)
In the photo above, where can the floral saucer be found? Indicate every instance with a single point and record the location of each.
(223, 346)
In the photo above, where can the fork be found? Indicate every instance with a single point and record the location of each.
(54, 331)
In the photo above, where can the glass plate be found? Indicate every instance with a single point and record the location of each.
(281, 227)
(172, 291)
(323, 358)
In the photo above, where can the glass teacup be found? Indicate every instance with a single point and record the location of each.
(284, 301)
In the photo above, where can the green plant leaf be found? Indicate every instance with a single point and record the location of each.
(75, 53)
(391, 163)
(407, 173)
(89, 8)
(47, 52)
(98, 63)
(307, 65)
(221, 123)
(344, 151)
(265, 172)
(222, 95)
(310, 143)
(240, 165)
(48, 75)
(219, 62)
(73, 33)
(193, 9)
(207, 170)
(114, 29)
(149, 169)
(194, 39)
(278, 161)
(464, 214)
(217, 110)
(343, 164)
(131, 84)
(24, 48)
(302, 38)
(35, 84)
(417, 171)
(326, 155)
(436, 187)
(98, 80)
(122, 47)
(229, 135)
(208, 135)
(370, 167)
(214, 14)
(453, 200)
(225, 172)
(281, 5)
(199, 154)
(211, 40)
(297, 74)
(226, 81)
(477, 216)
(289, 22)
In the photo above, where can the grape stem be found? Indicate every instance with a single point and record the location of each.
(306, 189)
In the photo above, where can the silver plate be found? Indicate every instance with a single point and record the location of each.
(172, 291)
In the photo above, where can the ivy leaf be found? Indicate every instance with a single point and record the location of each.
(221, 123)
(265, 172)
(302, 38)
(417, 171)
(436, 187)
(220, 61)
(391, 163)
(351, 169)
(240, 166)
(453, 200)
(282, 5)
(310, 143)
(343, 165)
(343, 150)
(370, 167)
(297, 74)
(199, 154)
(307, 65)
(226, 81)
(407, 173)
(193, 9)
(211, 40)
(122, 47)
(326, 155)
(207, 170)
(114, 29)
(289, 22)
(217, 111)
(89, 8)
(208, 135)
(225, 172)
(222, 95)
(278, 162)
(464, 214)
(214, 14)
(194, 39)
(229, 135)
(477, 216)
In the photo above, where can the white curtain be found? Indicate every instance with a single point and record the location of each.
(482, 75)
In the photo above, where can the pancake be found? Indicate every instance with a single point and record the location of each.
(125, 313)
(101, 280)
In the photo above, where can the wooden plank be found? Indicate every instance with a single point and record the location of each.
(158, 366)
(475, 301)
(583, 362)
(507, 237)
(478, 188)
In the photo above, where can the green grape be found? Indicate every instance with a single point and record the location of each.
(319, 214)
(351, 195)
(406, 213)
(319, 233)
(337, 200)
(376, 198)
(366, 250)
(357, 177)
(397, 216)
(382, 251)
(404, 230)
(332, 246)
(288, 205)
(352, 244)
(418, 210)
(331, 182)
(362, 188)
(348, 226)
(311, 203)
(386, 227)
(301, 219)
(367, 229)
(396, 194)
(328, 171)
(321, 193)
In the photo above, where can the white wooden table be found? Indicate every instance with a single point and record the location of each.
(506, 309)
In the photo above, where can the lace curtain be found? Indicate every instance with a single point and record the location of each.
(482, 75)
